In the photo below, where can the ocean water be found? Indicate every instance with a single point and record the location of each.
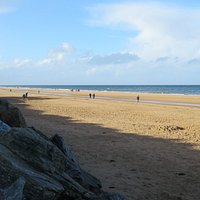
(160, 89)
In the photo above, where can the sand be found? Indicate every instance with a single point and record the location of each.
(142, 150)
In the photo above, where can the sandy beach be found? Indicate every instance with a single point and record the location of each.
(142, 150)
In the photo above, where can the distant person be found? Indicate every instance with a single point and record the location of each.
(10, 90)
(138, 98)
(26, 94)
(93, 96)
(90, 95)
(38, 91)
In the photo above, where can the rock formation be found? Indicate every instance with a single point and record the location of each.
(4, 128)
(11, 115)
(15, 191)
(36, 167)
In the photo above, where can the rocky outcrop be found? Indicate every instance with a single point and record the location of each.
(15, 191)
(11, 115)
(73, 168)
(4, 128)
(50, 169)
(35, 167)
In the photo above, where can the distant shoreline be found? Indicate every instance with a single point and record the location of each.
(151, 98)
(143, 89)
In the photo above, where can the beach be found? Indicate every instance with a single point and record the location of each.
(144, 150)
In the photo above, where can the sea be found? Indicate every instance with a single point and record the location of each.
(158, 89)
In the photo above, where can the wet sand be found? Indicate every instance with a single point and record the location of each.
(143, 150)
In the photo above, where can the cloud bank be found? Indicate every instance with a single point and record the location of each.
(161, 30)
(164, 49)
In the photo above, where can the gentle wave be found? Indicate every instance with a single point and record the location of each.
(157, 89)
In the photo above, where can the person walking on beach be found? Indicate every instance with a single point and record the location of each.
(93, 96)
(24, 96)
(90, 95)
(138, 98)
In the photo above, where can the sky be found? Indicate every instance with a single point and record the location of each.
(99, 42)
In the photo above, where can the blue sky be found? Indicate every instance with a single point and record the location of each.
(99, 42)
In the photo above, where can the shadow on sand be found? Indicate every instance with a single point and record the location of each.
(140, 167)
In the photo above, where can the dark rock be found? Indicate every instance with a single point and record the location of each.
(47, 168)
(11, 115)
(180, 174)
(38, 185)
(113, 196)
(25, 152)
(4, 128)
(50, 169)
(70, 157)
(14, 192)
(73, 168)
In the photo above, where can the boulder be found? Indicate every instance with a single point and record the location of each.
(13, 192)
(50, 169)
(34, 166)
(73, 168)
(11, 115)
(38, 185)
(4, 128)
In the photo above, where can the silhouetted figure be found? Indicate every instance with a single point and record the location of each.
(38, 91)
(138, 98)
(90, 95)
(10, 90)
(26, 94)
(93, 96)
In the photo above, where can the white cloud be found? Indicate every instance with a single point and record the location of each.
(45, 61)
(64, 66)
(16, 63)
(62, 52)
(67, 47)
(58, 55)
(162, 30)
(22, 62)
